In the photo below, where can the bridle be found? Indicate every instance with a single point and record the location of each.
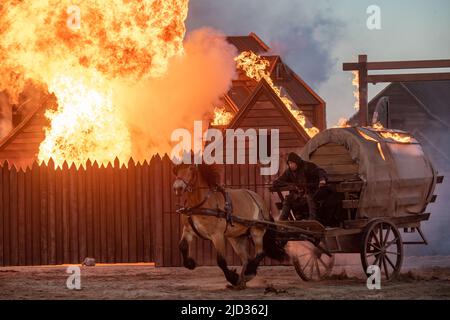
(189, 184)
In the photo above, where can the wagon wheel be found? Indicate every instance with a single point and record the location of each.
(311, 263)
(382, 246)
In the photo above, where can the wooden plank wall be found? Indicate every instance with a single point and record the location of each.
(113, 213)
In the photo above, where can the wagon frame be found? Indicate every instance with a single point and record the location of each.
(368, 237)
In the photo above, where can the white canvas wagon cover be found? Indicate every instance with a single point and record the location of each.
(398, 177)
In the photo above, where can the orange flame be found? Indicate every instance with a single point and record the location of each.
(342, 123)
(380, 151)
(397, 137)
(256, 68)
(394, 136)
(369, 138)
(116, 40)
(221, 117)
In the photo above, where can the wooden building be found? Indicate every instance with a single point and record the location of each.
(423, 109)
(256, 105)
(252, 104)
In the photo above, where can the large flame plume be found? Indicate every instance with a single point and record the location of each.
(256, 68)
(80, 54)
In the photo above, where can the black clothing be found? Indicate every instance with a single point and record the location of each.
(307, 178)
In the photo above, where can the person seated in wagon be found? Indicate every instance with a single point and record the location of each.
(307, 177)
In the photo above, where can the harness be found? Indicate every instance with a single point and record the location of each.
(226, 213)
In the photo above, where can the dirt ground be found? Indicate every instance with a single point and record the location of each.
(421, 278)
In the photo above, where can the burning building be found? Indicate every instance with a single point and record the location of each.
(265, 94)
(420, 108)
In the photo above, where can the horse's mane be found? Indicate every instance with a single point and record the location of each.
(209, 173)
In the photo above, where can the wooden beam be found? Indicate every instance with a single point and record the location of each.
(408, 77)
(363, 88)
(390, 65)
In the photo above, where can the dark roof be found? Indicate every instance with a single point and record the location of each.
(284, 77)
(435, 95)
(251, 42)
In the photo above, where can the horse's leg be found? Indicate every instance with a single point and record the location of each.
(240, 246)
(184, 246)
(219, 243)
(252, 266)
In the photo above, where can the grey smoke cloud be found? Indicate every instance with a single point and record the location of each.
(316, 37)
(293, 29)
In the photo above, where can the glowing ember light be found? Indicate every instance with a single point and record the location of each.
(378, 126)
(221, 117)
(369, 138)
(342, 123)
(80, 58)
(380, 150)
(256, 68)
(366, 136)
(397, 137)
(394, 136)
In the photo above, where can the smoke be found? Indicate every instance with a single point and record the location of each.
(300, 31)
(193, 83)
(124, 79)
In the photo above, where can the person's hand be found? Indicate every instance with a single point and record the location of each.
(322, 183)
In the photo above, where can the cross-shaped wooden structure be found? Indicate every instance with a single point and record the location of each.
(362, 67)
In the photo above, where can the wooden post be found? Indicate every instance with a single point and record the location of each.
(363, 99)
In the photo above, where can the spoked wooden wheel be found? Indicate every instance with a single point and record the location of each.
(311, 263)
(382, 246)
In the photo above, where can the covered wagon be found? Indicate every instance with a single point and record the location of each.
(385, 181)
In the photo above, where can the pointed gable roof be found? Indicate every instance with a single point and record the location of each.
(264, 88)
(21, 145)
(249, 43)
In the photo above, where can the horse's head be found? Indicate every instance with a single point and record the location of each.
(186, 178)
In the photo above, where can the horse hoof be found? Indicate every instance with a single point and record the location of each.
(240, 286)
(249, 277)
(190, 263)
(233, 278)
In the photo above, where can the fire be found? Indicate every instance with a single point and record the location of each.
(256, 68)
(378, 126)
(221, 117)
(380, 151)
(366, 136)
(394, 136)
(355, 83)
(342, 123)
(85, 126)
(397, 137)
(369, 138)
(116, 40)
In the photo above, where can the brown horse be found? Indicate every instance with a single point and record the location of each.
(198, 183)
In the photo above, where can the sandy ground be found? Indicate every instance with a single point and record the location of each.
(421, 278)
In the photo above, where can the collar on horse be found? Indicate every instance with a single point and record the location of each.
(197, 209)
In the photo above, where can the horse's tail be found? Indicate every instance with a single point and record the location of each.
(272, 248)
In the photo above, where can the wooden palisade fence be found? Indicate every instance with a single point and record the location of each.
(114, 213)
